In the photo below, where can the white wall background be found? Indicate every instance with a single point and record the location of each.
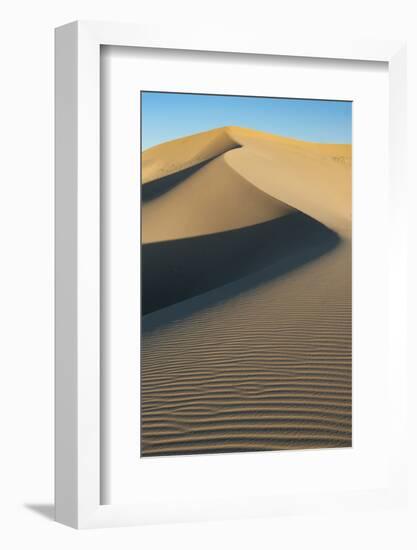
(26, 273)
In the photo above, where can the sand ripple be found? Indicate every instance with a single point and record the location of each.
(268, 369)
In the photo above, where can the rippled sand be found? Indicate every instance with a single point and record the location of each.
(267, 369)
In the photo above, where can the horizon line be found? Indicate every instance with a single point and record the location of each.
(244, 128)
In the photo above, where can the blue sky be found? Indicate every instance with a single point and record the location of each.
(167, 116)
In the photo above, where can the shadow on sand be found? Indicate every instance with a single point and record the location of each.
(155, 188)
(228, 262)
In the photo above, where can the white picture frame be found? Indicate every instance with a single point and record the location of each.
(78, 321)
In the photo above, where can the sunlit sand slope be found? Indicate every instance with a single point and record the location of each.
(246, 294)
(216, 198)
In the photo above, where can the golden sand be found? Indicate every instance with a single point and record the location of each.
(246, 337)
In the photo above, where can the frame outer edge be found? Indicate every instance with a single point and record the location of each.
(88, 275)
(77, 247)
(399, 250)
(66, 346)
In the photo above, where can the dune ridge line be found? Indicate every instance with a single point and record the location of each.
(243, 177)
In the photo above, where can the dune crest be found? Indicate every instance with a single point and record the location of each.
(234, 177)
(172, 156)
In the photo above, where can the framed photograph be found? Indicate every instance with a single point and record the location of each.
(230, 275)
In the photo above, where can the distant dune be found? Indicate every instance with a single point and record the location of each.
(246, 294)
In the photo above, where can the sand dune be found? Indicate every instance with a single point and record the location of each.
(179, 154)
(284, 174)
(236, 188)
(266, 368)
(214, 199)
(195, 265)
(246, 294)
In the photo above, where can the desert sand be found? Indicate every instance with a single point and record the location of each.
(246, 294)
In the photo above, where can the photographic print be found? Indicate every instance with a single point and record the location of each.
(246, 289)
